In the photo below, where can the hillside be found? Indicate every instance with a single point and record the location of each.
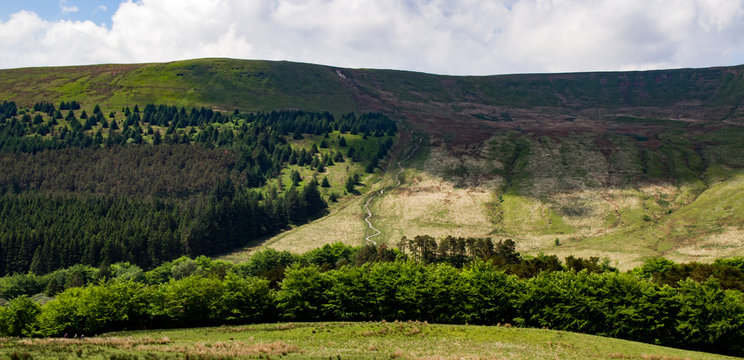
(620, 164)
(405, 340)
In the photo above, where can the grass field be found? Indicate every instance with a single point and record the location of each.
(409, 340)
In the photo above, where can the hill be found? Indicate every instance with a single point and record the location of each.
(620, 164)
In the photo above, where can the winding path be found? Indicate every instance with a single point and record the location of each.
(382, 192)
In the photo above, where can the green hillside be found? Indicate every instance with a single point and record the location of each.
(219, 83)
(269, 85)
(404, 340)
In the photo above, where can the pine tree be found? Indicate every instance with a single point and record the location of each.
(371, 166)
(314, 202)
(338, 157)
(295, 177)
(349, 185)
(324, 183)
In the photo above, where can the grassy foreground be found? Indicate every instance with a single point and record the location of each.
(409, 340)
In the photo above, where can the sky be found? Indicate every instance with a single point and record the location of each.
(465, 37)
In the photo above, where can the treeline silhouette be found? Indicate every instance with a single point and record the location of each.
(185, 293)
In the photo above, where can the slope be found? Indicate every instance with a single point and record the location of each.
(411, 340)
(620, 164)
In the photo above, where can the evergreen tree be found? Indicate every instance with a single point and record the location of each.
(349, 184)
(371, 166)
(314, 202)
(295, 177)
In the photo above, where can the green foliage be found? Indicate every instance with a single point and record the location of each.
(323, 285)
(244, 300)
(331, 256)
(301, 297)
(728, 272)
(18, 317)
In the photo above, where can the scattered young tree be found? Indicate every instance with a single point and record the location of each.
(295, 177)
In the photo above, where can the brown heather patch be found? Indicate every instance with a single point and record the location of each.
(645, 357)
(225, 349)
(408, 328)
(118, 342)
(464, 357)
(661, 357)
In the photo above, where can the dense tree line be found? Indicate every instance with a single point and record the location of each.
(150, 185)
(43, 233)
(693, 315)
(32, 134)
(301, 122)
(165, 171)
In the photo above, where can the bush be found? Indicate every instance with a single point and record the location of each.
(19, 317)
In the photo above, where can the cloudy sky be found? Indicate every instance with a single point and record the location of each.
(440, 36)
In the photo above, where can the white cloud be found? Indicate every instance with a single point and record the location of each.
(100, 8)
(442, 36)
(67, 9)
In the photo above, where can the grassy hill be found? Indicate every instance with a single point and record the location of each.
(620, 164)
(402, 340)
(219, 83)
(715, 93)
